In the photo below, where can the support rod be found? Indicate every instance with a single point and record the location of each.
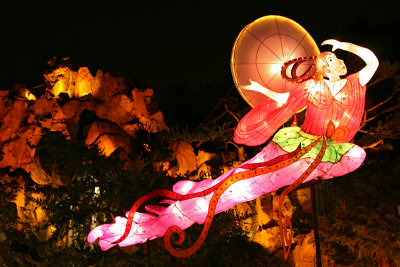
(315, 225)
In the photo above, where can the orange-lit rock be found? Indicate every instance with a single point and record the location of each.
(43, 106)
(111, 86)
(19, 151)
(14, 112)
(261, 212)
(31, 118)
(54, 126)
(66, 111)
(304, 251)
(287, 207)
(29, 212)
(65, 117)
(245, 210)
(61, 80)
(108, 137)
(203, 172)
(63, 106)
(40, 176)
(118, 109)
(85, 83)
(139, 104)
(4, 94)
(303, 195)
(26, 94)
(81, 82)
(155, 115)
(203, 157)
(116, 106)
(131, 128)
(268, 238)
(68, 93)
(158, 120)
(262, 225)
(185, 157)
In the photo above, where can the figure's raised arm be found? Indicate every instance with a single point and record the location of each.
(367, 55)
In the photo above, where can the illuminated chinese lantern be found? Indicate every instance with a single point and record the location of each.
(269, 47)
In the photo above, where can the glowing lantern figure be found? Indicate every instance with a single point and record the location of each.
(319, 149)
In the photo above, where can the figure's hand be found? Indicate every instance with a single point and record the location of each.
(280, 98)
(334, 43)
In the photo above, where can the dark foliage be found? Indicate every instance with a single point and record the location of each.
(361, 215)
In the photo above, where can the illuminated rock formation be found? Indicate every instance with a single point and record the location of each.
(108, 137)
(24, 116)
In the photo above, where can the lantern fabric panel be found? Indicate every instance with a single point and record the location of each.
(344, 109)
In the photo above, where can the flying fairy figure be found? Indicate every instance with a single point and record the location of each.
(320, 148)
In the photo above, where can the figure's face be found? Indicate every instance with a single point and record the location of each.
(335, 66)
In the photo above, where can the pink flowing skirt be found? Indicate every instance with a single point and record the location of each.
(185, 213)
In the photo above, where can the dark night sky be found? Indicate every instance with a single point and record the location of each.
(162, 43)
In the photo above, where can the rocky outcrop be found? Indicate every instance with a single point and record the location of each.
(185, 157)
(99, 110)
(40, 176)
(108, 137)
(119, 113)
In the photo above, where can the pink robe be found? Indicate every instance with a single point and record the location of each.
(345, 108)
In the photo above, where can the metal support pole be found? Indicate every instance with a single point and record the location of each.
(315, 225)
(148, 253)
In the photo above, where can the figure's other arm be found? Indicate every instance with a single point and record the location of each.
(260, 123)
(367, 55)
(279, 98)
